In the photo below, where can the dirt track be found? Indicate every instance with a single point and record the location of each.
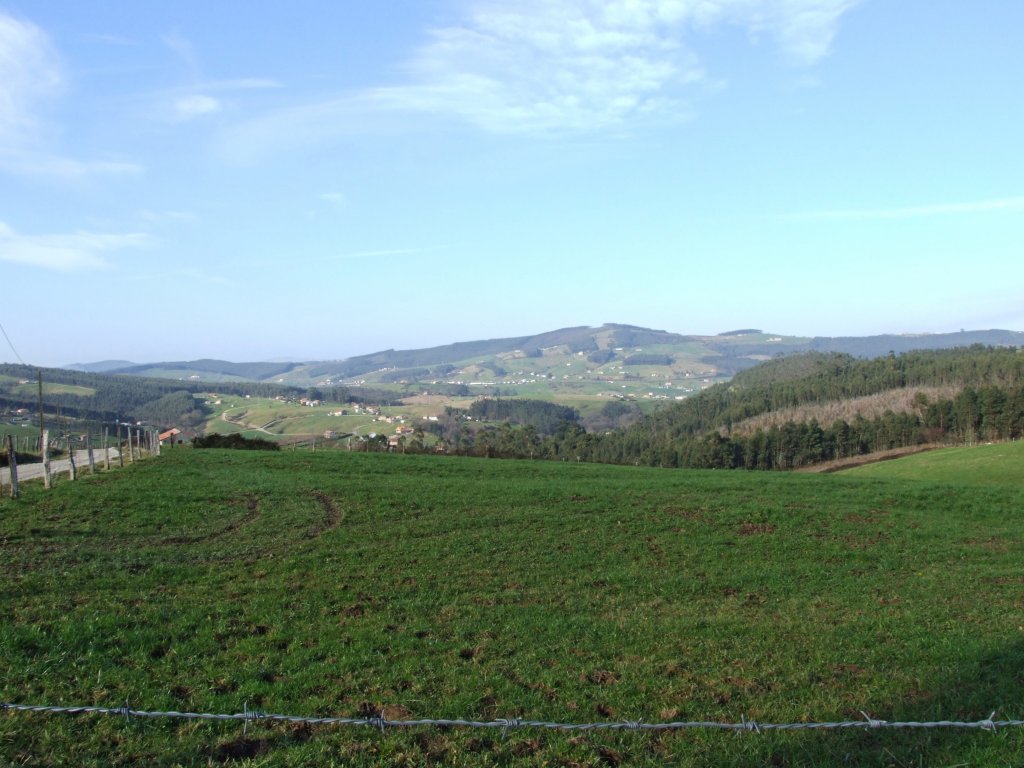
(870, 458)
(34, 471)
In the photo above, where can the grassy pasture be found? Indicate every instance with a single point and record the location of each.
(271, 419)
(11, 385)
(993, 464)
(347, 584)
(19, 430)
(187, 374)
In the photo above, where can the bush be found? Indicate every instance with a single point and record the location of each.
(235, 441)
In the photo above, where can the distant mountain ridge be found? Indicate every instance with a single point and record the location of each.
(727, 353)
(103, 366)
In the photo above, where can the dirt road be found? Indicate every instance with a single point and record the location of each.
(35, 471)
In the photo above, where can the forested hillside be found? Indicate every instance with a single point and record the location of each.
(989, 405)
(985, 402)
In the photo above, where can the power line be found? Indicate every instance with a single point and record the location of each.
(11, 344)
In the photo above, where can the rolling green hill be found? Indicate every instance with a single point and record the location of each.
(108, 398)
(414, 586)
(995, 464)
(585, 360)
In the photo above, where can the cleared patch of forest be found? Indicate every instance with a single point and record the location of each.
(905, 400)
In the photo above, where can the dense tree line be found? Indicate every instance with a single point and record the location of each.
(235, 441)
(819, 377)
(989, 413)
(543, 416)
(648, 359)
(601, 356)
(179, 408)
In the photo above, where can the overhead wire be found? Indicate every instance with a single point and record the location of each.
(11, 344)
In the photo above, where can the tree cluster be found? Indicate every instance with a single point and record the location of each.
(235, 441)
(543, 416)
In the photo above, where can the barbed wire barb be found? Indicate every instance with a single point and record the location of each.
(870, 722)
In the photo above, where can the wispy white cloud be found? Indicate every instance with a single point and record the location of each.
(196, 99)
(996, 205)
(31, 74)
(803, 29)
(64, 253)
(31, 162)
(162, 217)
(554, 66)
(549, 66)
(195, 105)
(184, 51)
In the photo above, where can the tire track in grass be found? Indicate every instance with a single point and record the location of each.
(332, 516)
(252, 507)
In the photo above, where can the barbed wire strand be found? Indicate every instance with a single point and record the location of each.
(505, 724)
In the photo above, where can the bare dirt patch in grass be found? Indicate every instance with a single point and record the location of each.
(756, 529)
(870, 458)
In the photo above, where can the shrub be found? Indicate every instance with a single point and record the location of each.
(235, 441)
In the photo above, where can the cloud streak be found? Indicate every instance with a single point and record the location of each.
(64, 253)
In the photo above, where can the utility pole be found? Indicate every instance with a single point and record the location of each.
(42, 425)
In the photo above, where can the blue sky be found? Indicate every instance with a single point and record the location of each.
(318, 179)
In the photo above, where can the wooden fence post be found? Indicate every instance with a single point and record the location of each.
(120, 449)
(12, 464)
(131, 448)
(47, 482)
(92, 456)
(106, 449)
(72, 468)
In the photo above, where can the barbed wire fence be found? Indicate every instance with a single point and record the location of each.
(381, 722)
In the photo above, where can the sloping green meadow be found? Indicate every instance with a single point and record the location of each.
(990, 464)
(331, 584)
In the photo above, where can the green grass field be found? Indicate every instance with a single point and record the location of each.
(281, 422)
(993, 464)
(14, 386)
(19, 430)
(434, 587)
